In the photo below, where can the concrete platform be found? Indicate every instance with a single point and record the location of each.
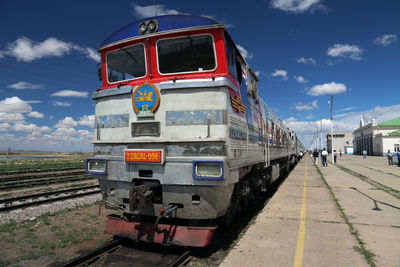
(302, 224)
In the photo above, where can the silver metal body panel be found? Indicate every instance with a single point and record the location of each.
(203, 96)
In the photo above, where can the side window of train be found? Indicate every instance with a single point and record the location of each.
(233, 62)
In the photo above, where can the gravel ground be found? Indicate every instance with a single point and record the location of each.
(30, 213)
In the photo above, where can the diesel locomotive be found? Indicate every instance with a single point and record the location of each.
(182, 139)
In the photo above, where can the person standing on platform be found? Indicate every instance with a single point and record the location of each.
(315, 156)
(365, 154)
(334, 155)
(390, 157)
(340, 152)
(398, 158)
(324, 156)
(300, 155)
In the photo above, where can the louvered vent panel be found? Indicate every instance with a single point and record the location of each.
(146, 129)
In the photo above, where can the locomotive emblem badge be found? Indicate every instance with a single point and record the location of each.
(145, 100)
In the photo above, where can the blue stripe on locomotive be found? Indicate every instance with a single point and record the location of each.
(165, 23)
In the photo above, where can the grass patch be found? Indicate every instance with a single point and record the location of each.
(9, 227)
(47, 244)
(30, 256)
(368, 255)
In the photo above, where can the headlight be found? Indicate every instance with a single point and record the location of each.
(152, 26)
(148, 26)
(143, 28)
(208, 170)
(96, 166)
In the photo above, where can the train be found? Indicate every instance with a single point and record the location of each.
(182, 140)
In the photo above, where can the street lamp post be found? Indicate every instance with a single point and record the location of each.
(330, 107)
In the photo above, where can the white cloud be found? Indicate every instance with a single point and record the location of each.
(296, 6)
(24, 49)
(309, 117)
(346, 109)
(300, 79)
(25, 85)
(87, 120)
(19, 127)
(14, 105)
(89, 52)
(11, 117)
(246, 54)
(61, 104)
(67, 122)
(280, 73)
(301, 106)
(35, 114)
(331, 88)
(345, 51)
(306, 129)
(4, 127)
(33, 101)
(65, 131)
(70, 93)
(386, 39)
(152, 10)
(304, 60)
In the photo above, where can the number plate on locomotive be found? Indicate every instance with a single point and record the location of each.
(153, 156)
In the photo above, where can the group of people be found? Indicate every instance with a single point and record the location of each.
(390, 157)
(324, 156)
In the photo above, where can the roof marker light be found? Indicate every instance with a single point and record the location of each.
(143, 27)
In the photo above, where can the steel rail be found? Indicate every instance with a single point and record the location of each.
(44, 181)
(93, 254)
(40, 169)
(33, 175)
(13, 199)
(181, 260)
(43, 201)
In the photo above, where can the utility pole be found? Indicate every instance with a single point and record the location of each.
(320, 128)
(330, 107)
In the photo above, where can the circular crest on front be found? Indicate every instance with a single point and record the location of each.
(145, 100)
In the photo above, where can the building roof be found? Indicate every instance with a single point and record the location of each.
(165, 23)
(394, 122)
(395, 133)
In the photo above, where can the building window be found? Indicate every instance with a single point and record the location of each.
(396, 148)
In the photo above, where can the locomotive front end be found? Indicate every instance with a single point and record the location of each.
(161, 130)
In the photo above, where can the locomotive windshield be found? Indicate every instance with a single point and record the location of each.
(186, 54)
(126, 64)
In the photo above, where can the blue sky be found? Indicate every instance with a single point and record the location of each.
(302, 50)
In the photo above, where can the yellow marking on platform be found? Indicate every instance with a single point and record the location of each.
(298, 259)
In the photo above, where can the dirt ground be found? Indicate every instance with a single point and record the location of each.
(52, 238)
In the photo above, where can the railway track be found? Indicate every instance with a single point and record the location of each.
(42, 198)
(121, 252)
(36, 175)
(22, 182)
(54, 167)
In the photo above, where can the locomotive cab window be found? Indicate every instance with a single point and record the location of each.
(186, 54)
(126, 63)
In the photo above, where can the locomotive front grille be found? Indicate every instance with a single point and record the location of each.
(146, 129)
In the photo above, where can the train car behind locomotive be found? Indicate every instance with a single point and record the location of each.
(182, 140)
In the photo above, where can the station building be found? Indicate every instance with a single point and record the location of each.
(342, 142)
(377, 138)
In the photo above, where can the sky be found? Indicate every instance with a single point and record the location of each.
(303, 51)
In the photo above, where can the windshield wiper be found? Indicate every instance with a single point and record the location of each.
(129, 54)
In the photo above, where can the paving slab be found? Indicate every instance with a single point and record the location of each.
(374, 213)
(375, 168)
(273, 238)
